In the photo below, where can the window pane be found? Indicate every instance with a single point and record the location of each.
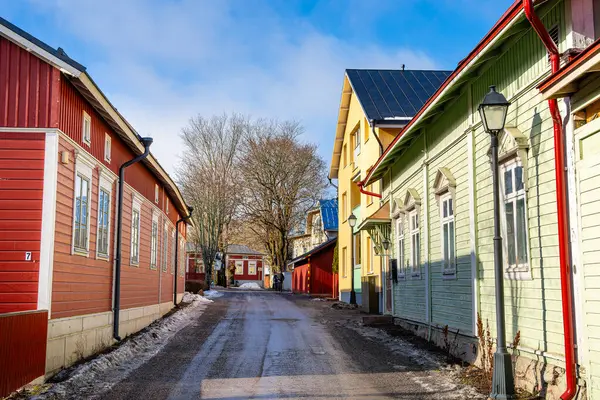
(444, 209)
(508, 183)
(451, 254)
(510, 230)
(450, 207)
(521, 232)
(446, 242)
(518, 178)
(418, 250)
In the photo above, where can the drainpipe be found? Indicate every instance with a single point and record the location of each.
(147, 141)
(561, 205)
(372, 123)
(182, 219)
(363, 191)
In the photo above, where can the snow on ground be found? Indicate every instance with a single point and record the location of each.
(212, 294)
(250, 286)
(104, 371)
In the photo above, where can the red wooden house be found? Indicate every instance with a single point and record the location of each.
(312, 271)
(245, 265)
(194, 270)
(61, 145)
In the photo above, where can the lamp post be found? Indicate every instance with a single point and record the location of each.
(352, 223)
(493, 111)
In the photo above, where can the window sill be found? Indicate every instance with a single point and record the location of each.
(79, 252)
(87, 143)
(134, 264)
(153, 268)
(401, 277)
(520, 273)
(416, 275)
(449, 275)
(100, 256)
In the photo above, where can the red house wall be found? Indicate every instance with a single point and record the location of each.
(316, 276)
(29, 87)
(21, 184)
(245, 276)
(191, 275)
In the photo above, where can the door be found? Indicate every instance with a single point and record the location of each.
(587, 167)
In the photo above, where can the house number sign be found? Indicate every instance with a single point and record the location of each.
(27, 256)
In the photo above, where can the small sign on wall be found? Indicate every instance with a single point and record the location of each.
(27, 256)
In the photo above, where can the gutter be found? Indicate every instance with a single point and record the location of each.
(180, 220)
(372, 123)
(566, 283)
(147, 141)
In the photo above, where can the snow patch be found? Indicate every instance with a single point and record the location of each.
(250, 286)
(91, 379)
(212, 294)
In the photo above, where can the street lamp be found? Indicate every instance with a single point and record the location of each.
(493, 111)
(352, 223)
(386, 245)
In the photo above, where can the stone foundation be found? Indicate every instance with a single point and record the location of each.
(73, 338)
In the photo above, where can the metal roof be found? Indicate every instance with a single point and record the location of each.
(241, 249)
(329, 214)
(388, 95)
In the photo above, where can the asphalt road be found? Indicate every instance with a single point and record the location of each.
(264, 345)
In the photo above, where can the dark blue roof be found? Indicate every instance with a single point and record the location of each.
(389, 94)
(329, 214)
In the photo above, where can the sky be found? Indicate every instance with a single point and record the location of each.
(162, 62)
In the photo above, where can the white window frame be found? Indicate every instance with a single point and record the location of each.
(239, 266)
(136, 206)
(400, 255)
(156, 193)
(86, 135)
(252, 267)
(415, 259)
(107, 147)
(84, 166)
(181, 260)
(356, 248)
(154, 242)
(448, 265)
(344, 262)
(356, 143)
(165, 248)
(105, 183)
(518, 271)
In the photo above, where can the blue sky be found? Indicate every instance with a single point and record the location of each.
(161, 62)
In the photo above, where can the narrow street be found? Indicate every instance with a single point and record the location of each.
(264, 345)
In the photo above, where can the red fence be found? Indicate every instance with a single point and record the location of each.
(23, 351)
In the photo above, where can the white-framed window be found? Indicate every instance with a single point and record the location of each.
(448, 235)
(156, 192)
(516, 242)
(167, 207)
(181, 269)
(356, 143)
(105, 184)
(136, 212)
(251, 267)
(154, 242)
(107, 147)
(86, 129)
(400, 246)
(81, 204)
(199, 265)
(415, 243)
(165, 247)
(239, 267)
(344, 262)
(173, 251)
(357, 251)
(345, 207)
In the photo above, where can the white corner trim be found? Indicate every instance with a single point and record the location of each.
(48, 222)
(473, 229)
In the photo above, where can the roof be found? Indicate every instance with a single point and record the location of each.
(381, 216)
(329, 214)
(393, 94)
(84, 83)
(241, 249)
(487, 49)
(315, 250)
(388, 98)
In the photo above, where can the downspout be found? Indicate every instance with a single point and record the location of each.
(372, 123)
(147, 141)
(180, 220)
(561, 205)
(360, 188)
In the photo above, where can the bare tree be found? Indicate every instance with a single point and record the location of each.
(209, 181)
(283, 178)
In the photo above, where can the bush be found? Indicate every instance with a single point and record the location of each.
(195, 287)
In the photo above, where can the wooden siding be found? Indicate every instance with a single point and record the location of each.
(246, 276)
(23, 351)
(28, 89)
(21, 187)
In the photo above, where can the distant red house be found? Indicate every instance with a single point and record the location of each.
(312, 272)
(61, 146)
(246, 265)
(194, 270)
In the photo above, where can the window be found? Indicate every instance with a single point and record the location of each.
(154, 243)
(357, 251)
(167, 207)
(156, 190)
(366, 133)
(400, 241)
(370, 198)
(165, 247)
(345, 156)
(356, 143)
(199, 265)
(251, 267)
(239, 267)
(181, 269)
(415, 243)
(135, 233)
(103, 221)
(86, 134)
(369, 255)
(173, 251)
(344, 262)
(344, 206)
(107, 147)
(515, 217)
(82, 213)
(448, 236)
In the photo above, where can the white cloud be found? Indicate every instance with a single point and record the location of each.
(163, 62)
